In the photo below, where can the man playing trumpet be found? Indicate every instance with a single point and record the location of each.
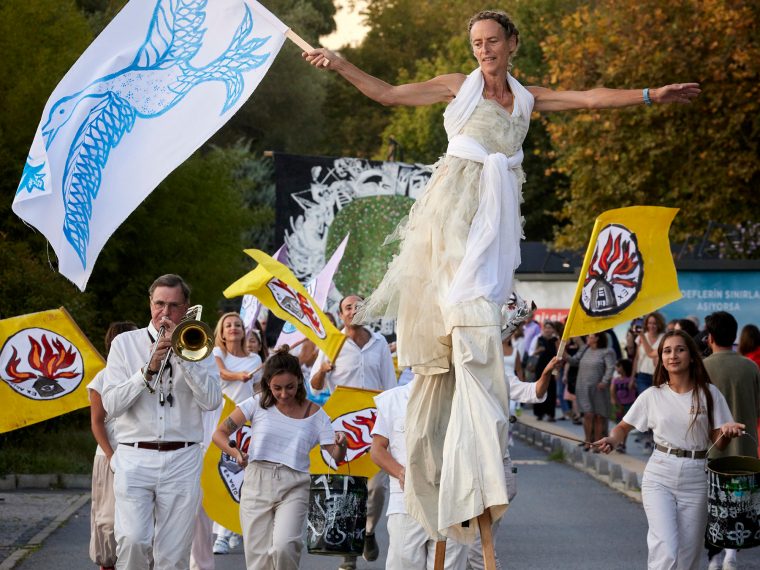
(158, 461)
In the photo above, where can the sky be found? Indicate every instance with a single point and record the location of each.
(350, 28)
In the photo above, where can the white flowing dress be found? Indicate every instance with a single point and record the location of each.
(454, 269)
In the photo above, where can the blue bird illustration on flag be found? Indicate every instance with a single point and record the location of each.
(81, 129)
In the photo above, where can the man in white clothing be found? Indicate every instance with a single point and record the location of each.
(159, 428)
(410, 546)
(364, 362)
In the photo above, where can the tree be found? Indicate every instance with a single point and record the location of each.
(701, 158)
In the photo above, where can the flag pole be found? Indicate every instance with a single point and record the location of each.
(302, 43)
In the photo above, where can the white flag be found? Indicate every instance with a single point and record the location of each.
(162, 78)
(318, 287)
(251, 306)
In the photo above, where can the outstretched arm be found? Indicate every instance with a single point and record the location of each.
(603, 98)
(440, 89)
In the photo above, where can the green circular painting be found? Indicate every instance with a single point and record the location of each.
(369, 220)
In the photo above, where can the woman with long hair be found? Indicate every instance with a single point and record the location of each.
(647, 342)
(687, 414)
(237, 366)
(285, 426)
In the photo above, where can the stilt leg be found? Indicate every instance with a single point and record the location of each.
(440, 554)
(486, 539)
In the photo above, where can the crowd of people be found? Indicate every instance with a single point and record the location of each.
(446, 287)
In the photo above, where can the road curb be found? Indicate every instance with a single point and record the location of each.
(36, 541)
(621, 473)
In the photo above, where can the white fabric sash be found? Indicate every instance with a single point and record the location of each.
(492, 252)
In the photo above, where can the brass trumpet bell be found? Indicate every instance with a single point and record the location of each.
(192, 340)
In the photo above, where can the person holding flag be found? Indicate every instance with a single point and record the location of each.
(454, 271)
(365, 362)
(687, 414)
(285, 426)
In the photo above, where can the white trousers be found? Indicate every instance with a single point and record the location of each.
(674, 493)
(274, 501)
(102, 541)
(202, 550)
(411, 548)
(475, 560)
(157, 495)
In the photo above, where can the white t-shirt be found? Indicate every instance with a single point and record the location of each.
(97, 385)
(234, 389)
(669, 414)
(644, 363)
(390, 424)
(278, 438)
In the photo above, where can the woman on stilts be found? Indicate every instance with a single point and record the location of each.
(455, 268)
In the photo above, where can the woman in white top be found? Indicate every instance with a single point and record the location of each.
(647, 343)
(686, 413)
(285, 426)
(236, 364)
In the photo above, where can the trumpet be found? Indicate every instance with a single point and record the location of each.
(192, 340)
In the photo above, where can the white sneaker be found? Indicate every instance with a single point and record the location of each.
(729, 565)
(221, 546)
(715, 563)
(235, 540)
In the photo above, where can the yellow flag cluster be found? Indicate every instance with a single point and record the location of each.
(275, 286)
(46, 362)
(628, 270)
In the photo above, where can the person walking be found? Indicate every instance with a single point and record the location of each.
(687, 414)
(274, 498)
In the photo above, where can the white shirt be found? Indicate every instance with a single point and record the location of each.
(236, 390)
(645, 364)
(139, 416)
(279, 438)
(369, 367)
(97, 386)
(389, 423)
(524, 392)
(669, 414)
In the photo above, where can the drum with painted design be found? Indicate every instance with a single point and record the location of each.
(733, 502)
(337, 515)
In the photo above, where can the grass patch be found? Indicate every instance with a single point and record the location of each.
(60, 445)
(557, 455)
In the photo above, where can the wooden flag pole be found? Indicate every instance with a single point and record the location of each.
(302, 43)
(486, 540)
(440, 554)
(295, 344)
(560, 354)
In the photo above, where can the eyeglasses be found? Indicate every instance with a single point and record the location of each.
(161, 305)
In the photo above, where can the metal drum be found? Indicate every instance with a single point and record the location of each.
(733, 502)
(337, 515)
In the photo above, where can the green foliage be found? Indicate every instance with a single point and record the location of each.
(701, 158)
(369, 220)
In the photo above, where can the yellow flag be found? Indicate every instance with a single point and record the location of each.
(352, 411)
(222, 477)
(46, 362)
(277, 288)
(628, 270)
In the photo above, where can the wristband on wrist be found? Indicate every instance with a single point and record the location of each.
(647, 99)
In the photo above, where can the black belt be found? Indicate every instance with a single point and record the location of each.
(681, 452)
(159, 445)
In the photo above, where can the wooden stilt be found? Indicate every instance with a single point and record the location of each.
(486, 540)
(440, 554)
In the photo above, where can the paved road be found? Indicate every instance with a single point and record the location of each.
(562, 518)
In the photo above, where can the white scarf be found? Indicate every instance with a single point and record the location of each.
(492, 252)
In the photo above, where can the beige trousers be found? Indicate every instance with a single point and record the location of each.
(274, 501)
(457, 429)
(102, 541)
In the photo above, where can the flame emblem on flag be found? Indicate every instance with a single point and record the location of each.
(357, 425)
(40, 364)
(231, 473)
(615, 273)
(297, 305)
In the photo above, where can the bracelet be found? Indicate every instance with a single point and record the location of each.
(647, 99)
